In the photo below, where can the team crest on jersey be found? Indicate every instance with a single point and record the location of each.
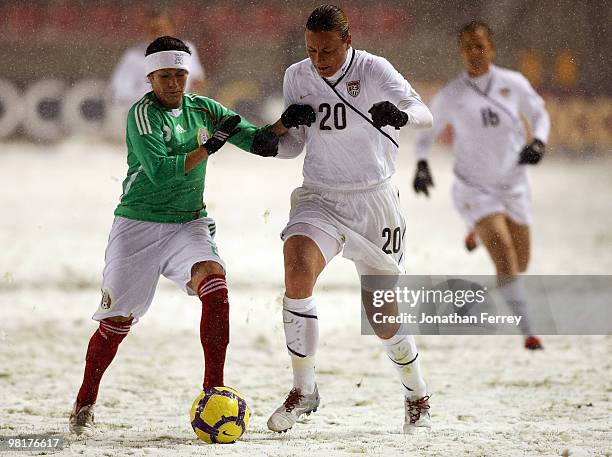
(106, 301)
(202, 136)
(505, 92)
(353, 88)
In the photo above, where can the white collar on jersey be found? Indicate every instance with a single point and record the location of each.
(339, 73)
(483, 81)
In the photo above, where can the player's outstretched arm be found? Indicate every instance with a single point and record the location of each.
(532, 153)
(422, 178)
(294, 116)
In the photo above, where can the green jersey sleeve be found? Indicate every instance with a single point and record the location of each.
(145, 136)
(244, 138)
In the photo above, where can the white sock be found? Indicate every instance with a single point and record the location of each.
(402, 351)
(514, 294)
(303, 373)
(302, 337)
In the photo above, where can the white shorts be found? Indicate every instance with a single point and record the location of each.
(138, 252)
(366, 224)
(475, 203)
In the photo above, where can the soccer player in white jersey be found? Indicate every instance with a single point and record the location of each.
(129, 80)
(345, 106)
(485, 105)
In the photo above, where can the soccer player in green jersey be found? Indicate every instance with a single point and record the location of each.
(161, 226)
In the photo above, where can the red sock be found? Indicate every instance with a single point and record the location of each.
(214, 327)
(100, 353)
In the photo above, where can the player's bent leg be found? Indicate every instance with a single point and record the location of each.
(522, 243)
(301, 327)
(101, 351)
(381, 327)
(496, 234)
(302, 335)
(521, 239)
(304, 262)
(403, 354)
(401, 349)
(214, 324)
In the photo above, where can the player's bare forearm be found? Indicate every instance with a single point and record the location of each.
(278, 128)
(194, 158)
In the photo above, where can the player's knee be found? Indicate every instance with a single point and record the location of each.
(300, 275)
(300, 278)
(201, 270)
(299, 268)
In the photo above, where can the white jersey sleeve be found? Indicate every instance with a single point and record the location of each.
(531, 105)
(393, 87)
(128, 81)
(292, 143)
(426, 138)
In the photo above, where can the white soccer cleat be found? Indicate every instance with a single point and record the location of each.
(417, 414)
(82, 421)
(294, 406)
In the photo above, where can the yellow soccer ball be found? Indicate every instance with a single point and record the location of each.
(219, 415)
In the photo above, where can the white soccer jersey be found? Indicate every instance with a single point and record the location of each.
(129, 80)
(485, 114)
(344, 150)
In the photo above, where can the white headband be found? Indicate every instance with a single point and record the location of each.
(167, 59)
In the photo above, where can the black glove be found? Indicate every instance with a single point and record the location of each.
(532, 153)
(265, 143)
(386, 113)
(422, 178)
(227, 130)
(296, 115)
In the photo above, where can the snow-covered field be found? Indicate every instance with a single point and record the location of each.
(489, 396)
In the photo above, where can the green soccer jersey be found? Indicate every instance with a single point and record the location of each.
(156, 188)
